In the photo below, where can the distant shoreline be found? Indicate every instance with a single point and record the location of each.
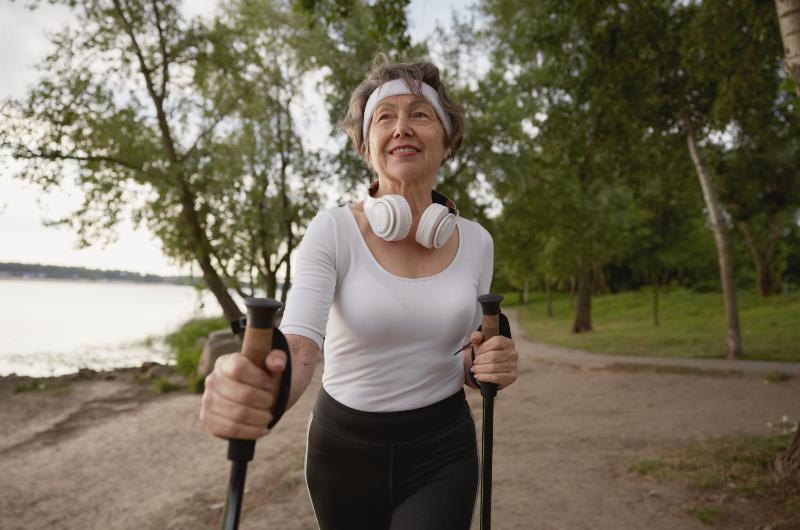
(4, 277)
(27, 271)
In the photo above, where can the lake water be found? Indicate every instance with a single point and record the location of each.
(54, 327)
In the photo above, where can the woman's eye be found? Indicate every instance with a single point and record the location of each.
(420, 114)
(382, 117)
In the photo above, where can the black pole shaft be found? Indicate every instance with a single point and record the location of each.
(486, 458)
(240, 452)
(233, 502)
(490, 305)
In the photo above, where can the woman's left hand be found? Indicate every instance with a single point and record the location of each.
(495, 359)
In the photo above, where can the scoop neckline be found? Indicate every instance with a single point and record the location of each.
(372, 258)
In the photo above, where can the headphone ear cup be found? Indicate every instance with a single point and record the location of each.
(445, 229)
(435, 226)
(381, 216)
(402, 217)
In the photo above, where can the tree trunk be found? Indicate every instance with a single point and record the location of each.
(270, 281)
(572, 292)
(218, 289)
(202, 253)
(764, 260)
(733, 338)
(599, 282)
(287, 283)
(788, 464)
(655, 300)
(549, 297)
(583, 309)
(789, 21)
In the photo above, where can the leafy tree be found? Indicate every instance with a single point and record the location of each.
(567, 68)
(493, 130)
(154, 115)
(348, 35)
(731, 55)
(667, 228)
(279, 179)
(760, 184)
(648, 69)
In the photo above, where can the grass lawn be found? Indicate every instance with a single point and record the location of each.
(733, 481)
(691, 324)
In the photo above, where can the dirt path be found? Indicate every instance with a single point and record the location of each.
(107, 454)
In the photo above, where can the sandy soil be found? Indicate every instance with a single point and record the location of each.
(103, 451)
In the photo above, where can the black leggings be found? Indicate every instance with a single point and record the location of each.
(408, 470)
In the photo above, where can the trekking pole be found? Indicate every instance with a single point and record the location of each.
(257, 343)
(490, 304)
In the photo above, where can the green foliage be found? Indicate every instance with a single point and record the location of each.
(591, 184)
(347, 34)
(578, 129)
(691, 325)
(164, 385)
(186, 343)
(603, 178)
(182, 125)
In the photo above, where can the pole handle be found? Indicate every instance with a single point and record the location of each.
(490, 326)
(257, 344)
(257, 341)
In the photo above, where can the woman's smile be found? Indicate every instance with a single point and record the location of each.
(404, 151)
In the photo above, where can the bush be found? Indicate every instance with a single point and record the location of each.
(187, 345)
(163, 385)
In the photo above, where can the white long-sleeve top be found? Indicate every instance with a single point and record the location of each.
(389, 340)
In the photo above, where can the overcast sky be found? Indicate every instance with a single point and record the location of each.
(23, 238)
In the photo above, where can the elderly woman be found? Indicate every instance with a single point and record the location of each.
(390, 283)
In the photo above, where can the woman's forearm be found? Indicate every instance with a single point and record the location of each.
(304, 353)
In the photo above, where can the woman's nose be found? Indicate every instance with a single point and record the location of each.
(402, 127)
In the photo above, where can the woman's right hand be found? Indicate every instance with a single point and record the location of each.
(239, 396)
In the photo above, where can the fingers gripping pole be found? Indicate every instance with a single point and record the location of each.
(490, 324)
(257, 343)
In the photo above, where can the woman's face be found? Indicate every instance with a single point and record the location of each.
(406, 139)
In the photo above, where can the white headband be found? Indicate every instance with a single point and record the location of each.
(397, 87)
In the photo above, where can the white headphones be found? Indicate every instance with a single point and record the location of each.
(390, 218)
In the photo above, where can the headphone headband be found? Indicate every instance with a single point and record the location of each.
(437, 197)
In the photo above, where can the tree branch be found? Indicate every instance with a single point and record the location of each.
(28, 154)
(206, 132)
(233, 282)
(452, 176)
(163, 45)
(158, 99)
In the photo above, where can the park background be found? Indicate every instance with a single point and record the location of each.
(636, 162)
